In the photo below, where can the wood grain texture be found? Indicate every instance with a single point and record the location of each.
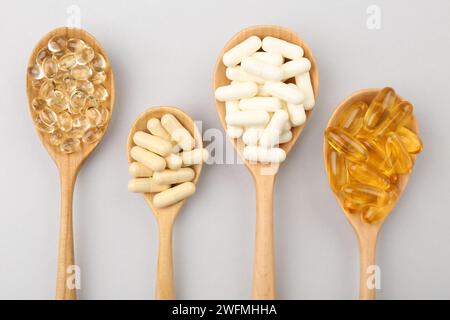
(69, 164)
(366, 233)
(263, 175)
(165, 288)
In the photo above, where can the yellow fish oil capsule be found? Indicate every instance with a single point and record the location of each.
(346, 145)
(363, 173)
(352, 120)
(372, 214)
(337, 170)
(65, 122)
(377, 156)
(98, 63)
(50, 67)
(84, 55)
(383, 100)
(398, 155)
(397, 116)
(410, 140)
(69, 145)
(363, 194)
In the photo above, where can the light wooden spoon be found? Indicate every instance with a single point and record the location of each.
(165, 216)
(69, 164)
(367, 233)
(263, 175)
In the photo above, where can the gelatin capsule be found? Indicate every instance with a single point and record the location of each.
(84, 55)
(86, 86)
(46, 89)
(100, 93)
(56, 137)
(98, 77)
(76, 133)
(377, 155)
(372, 214)
(173, 195)
(363, 173)
(398, 154)
(81, 72)
(77, 102)
(94, 116)
(35, 71)
(352, 207)
(41, 126)
(57, 101)
(69, 145)
(65, 122)
(74, 45)
(43, 54)
(346, 145)
(67, 62)
(38, 104)
(81, 122)
(397, 116)
(98, 63)
(336, 170)
(48, 117)
(50, 67)
(363, 194)
(410, 140)
(352, 119)
(104, 113)
(57, 44)
(383, 100)
(91, 101)
(92, 135)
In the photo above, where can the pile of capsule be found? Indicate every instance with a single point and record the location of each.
(269, 92)
(163, 158)
(67, 83)
(369, 148)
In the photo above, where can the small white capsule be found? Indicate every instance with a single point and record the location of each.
(250, 118)
(246, 48)
(261, 69)
(156, 129)
(285, 137)
(262, 92)
(303, 81)
(269, 104)
(252, 135)
(138, 170)
(173, 195)
(194, 157)
(271, 134)
(286, 49)
(287, 126)
(153, 143)
(236, 91)
(147, 158)
(174, 161)
(178, 133)
(284, 91)
(145, 185)
(297, 114)
(237, 74)
(295, 67)
(174, 176)
(176, 148)
(261, 154)
(233, 131)
(275, 59)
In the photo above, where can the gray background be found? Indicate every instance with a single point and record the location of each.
(163, 52)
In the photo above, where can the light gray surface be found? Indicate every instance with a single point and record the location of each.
(163, 52)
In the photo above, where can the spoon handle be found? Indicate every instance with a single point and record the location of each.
(164, 279)
(368, 270)
(264, 264)
(67, 273)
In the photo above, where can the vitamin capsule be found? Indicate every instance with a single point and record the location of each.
(38, 104)
(67, 62)
(84, 55)
(138, 170)
(382, 101)
(244, 49)
(352, 207)
(336, 170)
(398, 154)
(297, 114)
(174, 176)
(74, 45)
(152, 143)
(65, 122)
(194, 157)
(43, 54)
(372, 214)
(236, 91)
(295, 67)
(77, 102)
(377, 156)
(286, 49)
(363, 173)
(145, 185)
(48, 117)
(284, 91)
(269, 104)
(80, 72)
(81, 122)
(303, 81)
(56, 137)
(156, 129)
(148, 158)
(57, 44)
(262, 92)
(345, 144)
(250, 118)
(104, 113)
(57, 101)
(70, 145)
(287, 126)
(352, 119)
(35, 71)
(92, 135)
(271, 134)
(176, 148)
(100, 93)
(261, 154)
(174, 162)
(363, 194)
(238, 74)
(233, 132)
(178, 133)
(252, 135)
(275, 59)
(286, 136)
(98, 63)
(397, 116)
(98, 77)
(173, 195)
(410, 140)
(50, 67)
(261, 69)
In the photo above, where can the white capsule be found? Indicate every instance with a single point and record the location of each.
(233, 131)
(194, 157)
(174, 176)
(271, 134)
(275, 59)
(178, 133)
(297, 114)
(173, 195)
(244, 49)
(156, 129)
(262, 92)
(237, 74)
(286, 49)
(287, 126)
(232, 106)
(261, 154)
(174, 161)
(284, 91)
(153, 143)
(303, 81)
(250, 118)
(295, 67)
(236, 91)
(261, 69)
(269, 104)
(145, 185)
(252, 135)
(138, 170)
(176, 148)
(285, 137)
(147, 158)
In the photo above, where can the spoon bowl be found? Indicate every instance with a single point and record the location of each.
(69, 164)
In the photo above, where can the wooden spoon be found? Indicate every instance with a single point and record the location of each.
(69, 164)
(367, 233)
(263, 175)
(165, 216)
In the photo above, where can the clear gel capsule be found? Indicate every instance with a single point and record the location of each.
(336, 170)
(382, 101)
(352, 119)
(346, 145)
(398, 154)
